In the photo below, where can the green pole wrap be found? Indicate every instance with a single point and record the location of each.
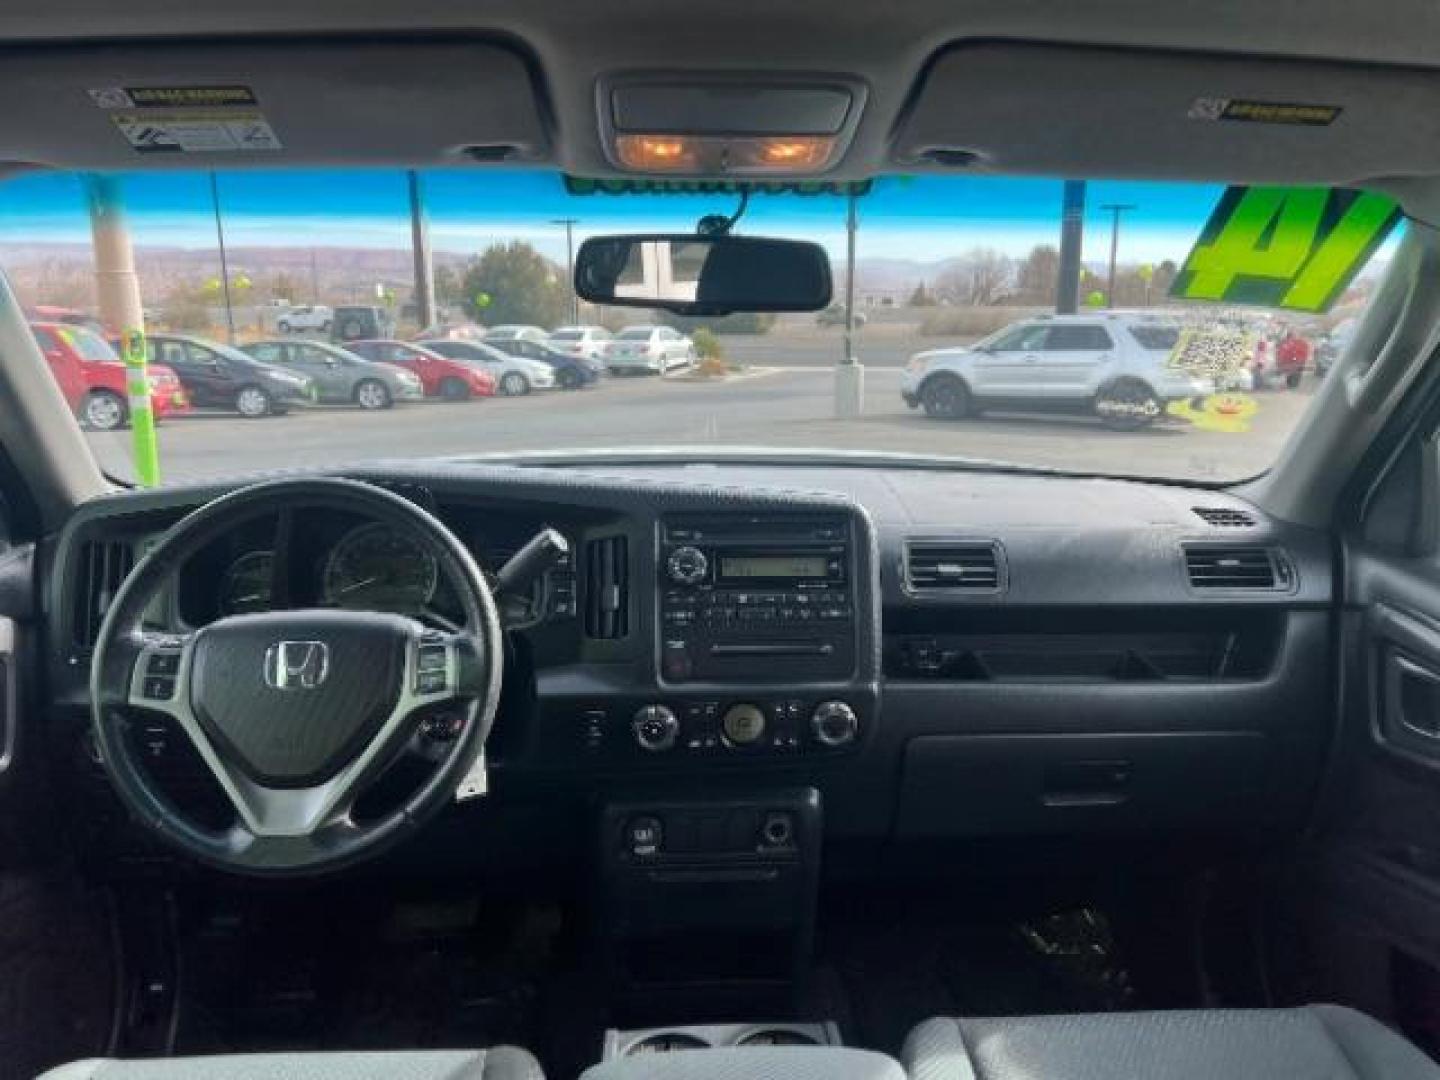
(142, 417)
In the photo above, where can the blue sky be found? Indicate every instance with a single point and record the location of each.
(922, 218)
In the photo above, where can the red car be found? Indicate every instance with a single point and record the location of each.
(91, 375)
(453, 380)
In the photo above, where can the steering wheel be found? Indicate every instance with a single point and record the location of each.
(297, 712)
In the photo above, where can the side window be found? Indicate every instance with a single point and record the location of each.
(1077, 339)
(44, 338)
(308, 354)
(1022, 339)
(172, 353)
(269, 353)
(201, 355)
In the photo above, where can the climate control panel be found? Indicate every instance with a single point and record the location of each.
(716, 728)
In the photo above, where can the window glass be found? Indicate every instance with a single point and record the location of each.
(1026, 337)
(269, 353)
(1068, 338)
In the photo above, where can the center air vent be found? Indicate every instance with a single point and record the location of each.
(953, 566)
(104, 564)
(607, 587)
(1248, 568)
(1225, 517)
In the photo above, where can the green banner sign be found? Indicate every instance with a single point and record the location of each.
(1296, 248)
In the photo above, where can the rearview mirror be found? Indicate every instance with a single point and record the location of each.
(703, 275)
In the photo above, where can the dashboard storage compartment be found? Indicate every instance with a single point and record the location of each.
(988, 785)
(1084, 647)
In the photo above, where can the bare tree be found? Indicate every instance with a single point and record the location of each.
(979, 278)
(1039, 275)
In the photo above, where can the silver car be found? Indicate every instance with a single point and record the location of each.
(340, 376)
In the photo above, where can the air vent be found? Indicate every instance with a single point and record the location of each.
(1249, 568)
(104, 564)
(607, 587)
(1224, 517)
(952, 566)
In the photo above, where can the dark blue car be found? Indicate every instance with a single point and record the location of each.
(571, 372)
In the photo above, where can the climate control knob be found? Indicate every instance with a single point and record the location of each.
(834, 724)
(687, 566)
(656, 728)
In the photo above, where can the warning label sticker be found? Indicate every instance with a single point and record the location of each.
(1263, 112)
(172, 97)
(221, 131)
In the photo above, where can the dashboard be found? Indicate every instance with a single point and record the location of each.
(941, 655)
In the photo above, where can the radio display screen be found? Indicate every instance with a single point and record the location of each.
(772, 566)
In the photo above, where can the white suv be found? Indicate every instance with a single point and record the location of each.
(310, 317)
(1111, 365)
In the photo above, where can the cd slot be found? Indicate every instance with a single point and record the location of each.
(786, 648)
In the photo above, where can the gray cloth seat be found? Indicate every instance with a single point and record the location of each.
(1318, 1042)
(500, 1063)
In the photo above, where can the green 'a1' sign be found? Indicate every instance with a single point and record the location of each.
(1296, 248)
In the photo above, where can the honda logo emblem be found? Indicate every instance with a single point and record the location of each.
(296, 665)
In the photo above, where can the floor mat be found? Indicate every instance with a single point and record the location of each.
(952, 962)
(313, 973)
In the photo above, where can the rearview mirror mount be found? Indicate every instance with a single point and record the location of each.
(698, 275)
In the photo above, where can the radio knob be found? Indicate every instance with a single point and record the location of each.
(687, 566)
(834, 724)
(742, 725)
(656, 728)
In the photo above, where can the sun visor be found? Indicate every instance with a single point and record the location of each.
(196, 106)
(1080, 111)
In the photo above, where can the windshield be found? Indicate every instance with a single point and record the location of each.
(955, 350)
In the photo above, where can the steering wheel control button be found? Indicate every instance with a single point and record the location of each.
(687, 566)
(163, 663)
(443, 727)
(656, 728)
(431, 682)
(431, 658)
(158, 688)
(834, 724)
(743, 724)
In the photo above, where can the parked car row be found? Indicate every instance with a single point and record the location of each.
(591, 349)
(273, 376)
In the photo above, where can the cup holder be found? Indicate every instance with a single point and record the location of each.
(666, 1042)
(641, 1042)
(778, 1037)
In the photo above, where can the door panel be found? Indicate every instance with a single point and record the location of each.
(1071, 356)
(1360, 916)
(1010, 368)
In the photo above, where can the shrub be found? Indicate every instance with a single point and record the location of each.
(707, 345)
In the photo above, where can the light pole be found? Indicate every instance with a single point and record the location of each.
(224, 262)
(570, 223)
(1072, 238)
(1116, 209)
(420, 252)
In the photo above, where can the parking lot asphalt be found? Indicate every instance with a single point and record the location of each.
(788, 405)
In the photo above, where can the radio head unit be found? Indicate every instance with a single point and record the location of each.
(756, 598)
